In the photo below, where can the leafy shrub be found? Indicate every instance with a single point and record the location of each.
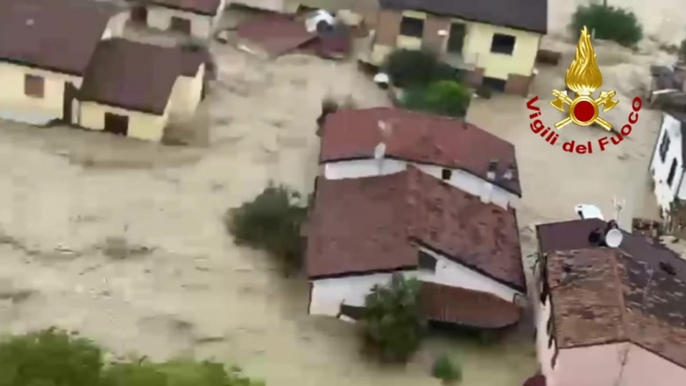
(447, 371)
(408, 68)
(270, 222)
(392, 320)
(49, 358)
(609, 23)
(175, 373)
(55, 358)
(444, 97)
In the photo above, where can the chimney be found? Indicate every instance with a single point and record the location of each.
(510, 172)
(492, 166)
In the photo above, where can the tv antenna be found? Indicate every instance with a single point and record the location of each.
(618, 204)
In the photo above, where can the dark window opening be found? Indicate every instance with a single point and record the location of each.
(353, 312)
(672, 172)
(116, 124)
(426, 261)
(494, 83)
(664, 146)
(412, 27)
(446, 174)
(180, 24)
(34, 86)
(458, 31)
(503, 44)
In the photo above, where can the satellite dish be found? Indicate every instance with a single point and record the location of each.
(380, 150)
(613, 238)
(381, 78)
(442, 32)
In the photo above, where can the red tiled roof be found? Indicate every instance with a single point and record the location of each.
(417, 137)
(204, 7)
(466, 307)
(369, 224)
(601, 295)
(276, 34)
(136, 76)
(536, 380)
(59, 35)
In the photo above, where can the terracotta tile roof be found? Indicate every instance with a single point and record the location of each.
(136, 76)
(536, 380)
(417, 137)
(276, 34)
(635, 293)
(466, 307)
(203, 7)
(58, 35)
(370, 224)
(530, 15)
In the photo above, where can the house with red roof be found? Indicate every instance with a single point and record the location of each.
(196, 18)
(608, 316)
(465, 252)
(385, 140)
(45, 48)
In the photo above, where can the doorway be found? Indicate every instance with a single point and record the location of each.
(68, 101)
(116, 124)
(139, 15)
(180, 24)
(456, 38)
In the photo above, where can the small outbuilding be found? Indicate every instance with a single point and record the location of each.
(197, 18)
(133, 89)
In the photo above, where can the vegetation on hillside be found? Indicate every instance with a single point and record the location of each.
(271, 222)
(447, 370)
(609, 23)
(392, 321)
(56, 358)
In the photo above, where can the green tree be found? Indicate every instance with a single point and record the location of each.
(443, 97)
(609, 23)
(392, 319)
(49, 358)
(446, 370)
(408, 68)
(271, 222)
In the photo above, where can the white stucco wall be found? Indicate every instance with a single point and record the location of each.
(663, 192)
(16, 106)
(160, 18)
(186, 95)
(645, 368)
(459, 178)
(328, 294)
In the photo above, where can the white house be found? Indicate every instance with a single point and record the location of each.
(667, 163)
(466, 252)
(380, 141)
(608, 316)
(197, 18)
(45, 48)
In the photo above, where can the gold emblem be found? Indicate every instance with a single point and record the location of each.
(584, 77)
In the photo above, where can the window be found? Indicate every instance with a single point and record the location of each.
(34, 86)
(426, 261)
(180, 24)
(502, 44)
(412, 27)
(494, 83)
(446, 174)
(672, 172)
(664, 146)
(353, 312)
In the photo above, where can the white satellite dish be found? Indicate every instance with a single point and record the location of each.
(382, 78)
(613, 238)
(380, 150)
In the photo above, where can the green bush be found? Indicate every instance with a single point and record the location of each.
(55, 358)
(609, 23)
(271, 222)
(49, 358)
(408, 68)
(447, 371)
(443, 97)
(392, 319)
